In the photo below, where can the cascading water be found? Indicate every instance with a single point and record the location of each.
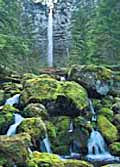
(97, 148)
(50, 5)
(13, 100)
(45, 145)
(12, 129)
(71, 127)
(92, 111)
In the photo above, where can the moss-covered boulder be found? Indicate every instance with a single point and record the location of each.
(35, 127)
(115, 148)
(6, 118)
(15, 149)
(60, 98)
(112, 165)
(44, 160)
(116, 121)
(60, 144)
(77, 163)
(108, 113)
(108, 130)
(96, 79)
(2, 96)
(11, 89)
(35, 110)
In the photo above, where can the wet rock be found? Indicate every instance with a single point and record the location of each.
(59, 98)
(35, 127)
(108, 130)
(6, 118)
(116, 121)
(35, 110)
(44, 160)
(15, 149)
(115, 148)
(96, 79)
(77, 163)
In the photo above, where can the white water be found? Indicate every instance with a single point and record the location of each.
(62, 78)
(97, 149)
(71, 127)
(12, 129)
(92, 111)
(13, 100)
(50, 33)
(45, 145)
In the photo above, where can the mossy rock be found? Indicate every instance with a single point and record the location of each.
(116, 107)
(53, 93)
(108, 130)
(1, 97)
(96, 79)
(35, 127)
(3, 161)
(11, 89)
(112, 165)
(115, 148)
(51, 130)
(116, 121)
(6, 118)
(15, 149)
(108, 113)
(35, 110)
(44, 160)
(77, 163)
(60, 144)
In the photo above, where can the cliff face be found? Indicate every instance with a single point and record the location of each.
(36, 15)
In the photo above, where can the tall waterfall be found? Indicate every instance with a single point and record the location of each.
(12, 129)
(50, 33)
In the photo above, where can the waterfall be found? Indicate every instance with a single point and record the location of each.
(62, 79)
(12, 129)
(50, 33)
(45, 145)
(92, 111)
(97, 148)
(13, 100)
(71, 127)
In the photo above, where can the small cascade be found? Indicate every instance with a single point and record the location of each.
(94, 118)
(71, 127)
(13, 100)
(12, 129)
(97, 149)
(62, 79)
(45, 145)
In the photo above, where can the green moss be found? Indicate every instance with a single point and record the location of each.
(51, 130)
(42, 89)
(108, 130)
(15, 148)
(1, 96)
(112, 165)
(77, 163)
(6, 118)
(115, 148)
(44, 160)
(35, 110)
(108, 113)
(35, 127)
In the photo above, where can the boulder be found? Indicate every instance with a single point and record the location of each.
(15, 149)
(108, 130)
(35, 127)
(108, 113)
(6, 118)
(77, 163)
(96, 79)
(35, 110)
(59, 98)
(115, 148)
